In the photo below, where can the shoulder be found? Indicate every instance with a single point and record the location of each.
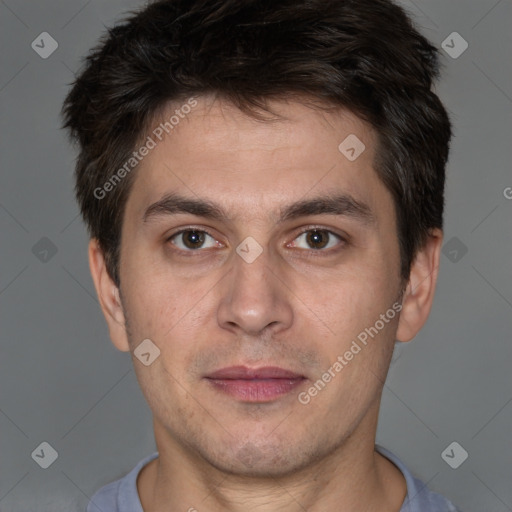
(121, 495)
(105, 498)
(419, 497)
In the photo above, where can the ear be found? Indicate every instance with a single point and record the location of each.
(419, 293)
(108, 295)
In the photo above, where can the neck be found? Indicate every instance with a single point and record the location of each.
(353, 477)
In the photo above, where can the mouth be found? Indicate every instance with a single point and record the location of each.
(255, 385)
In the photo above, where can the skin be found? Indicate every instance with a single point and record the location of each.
(294, 306)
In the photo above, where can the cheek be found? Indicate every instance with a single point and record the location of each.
(170, 312)
(352, 300)
(151, 306)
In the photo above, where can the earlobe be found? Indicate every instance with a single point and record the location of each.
(420, 290)
(109, 297)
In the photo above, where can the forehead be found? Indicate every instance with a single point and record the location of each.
(218, 152)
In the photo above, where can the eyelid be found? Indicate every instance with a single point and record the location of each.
(190, 228)
(315, 227)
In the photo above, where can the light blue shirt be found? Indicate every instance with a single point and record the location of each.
(122, 495)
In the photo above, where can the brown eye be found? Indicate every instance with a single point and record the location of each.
(317, 239)
(192, 239)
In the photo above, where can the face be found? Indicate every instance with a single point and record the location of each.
(254, 254)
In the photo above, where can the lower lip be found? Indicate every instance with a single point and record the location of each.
(256, 390)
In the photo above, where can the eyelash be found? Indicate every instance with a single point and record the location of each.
(343, 240)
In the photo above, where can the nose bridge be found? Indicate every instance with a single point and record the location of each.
(253, 270)
(253, 297)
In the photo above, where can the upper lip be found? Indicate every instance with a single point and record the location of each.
(245, 373)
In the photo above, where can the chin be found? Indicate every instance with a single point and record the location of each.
(264, 459)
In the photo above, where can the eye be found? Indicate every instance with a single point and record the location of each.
(316, 239)
(193, 239)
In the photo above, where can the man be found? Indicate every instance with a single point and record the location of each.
(263, 186)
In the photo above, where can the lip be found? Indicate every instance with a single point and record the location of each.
(245, 373)
(256, 385)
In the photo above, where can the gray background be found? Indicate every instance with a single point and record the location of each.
(61, 380)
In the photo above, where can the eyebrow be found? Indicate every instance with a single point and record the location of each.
(337, 204)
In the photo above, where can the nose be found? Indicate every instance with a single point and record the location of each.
(254, 299)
